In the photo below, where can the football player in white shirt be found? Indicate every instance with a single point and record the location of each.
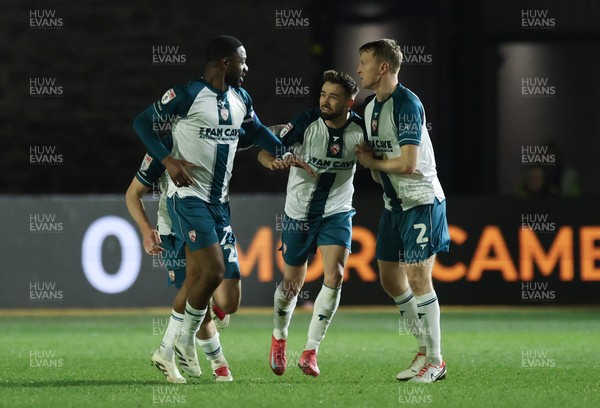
(318, 212)
(207, 117)
(413, 226)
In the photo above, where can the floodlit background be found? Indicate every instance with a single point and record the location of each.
(511, 94)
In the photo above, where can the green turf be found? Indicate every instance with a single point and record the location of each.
(103, 361)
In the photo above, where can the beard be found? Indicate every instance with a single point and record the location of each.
(232, 80)
(330, 116)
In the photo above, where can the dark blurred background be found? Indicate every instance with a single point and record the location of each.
(510, 88)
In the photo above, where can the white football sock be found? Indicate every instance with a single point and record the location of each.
(326, 304)
(191, 324)
(283, 308)
(428, 310)
(173, 327)
(410, 323)
(214, 352)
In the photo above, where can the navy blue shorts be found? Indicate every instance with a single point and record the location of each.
(301, 238)
(199, 224)
(413, 235)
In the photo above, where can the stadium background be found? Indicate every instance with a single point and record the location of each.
(506, 86)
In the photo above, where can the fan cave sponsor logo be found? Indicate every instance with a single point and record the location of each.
(381, 146)
(44, 359)
(536, 359)
(45, 87)
(291, 19)
(537, 156)
(44, 20)
(537, 292)
(283, 223)
(168, 395)
(537, 87)
(331, 165)
(291, 87)
(44, 291)
(416, 55)
(44, 224)
(167, 55)
(538, 223)
(413, 395)
(537, 20)
(219, 134)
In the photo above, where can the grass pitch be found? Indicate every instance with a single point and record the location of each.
(505, 358)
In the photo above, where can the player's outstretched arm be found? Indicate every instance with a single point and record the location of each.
(271, 162)
(135, 206)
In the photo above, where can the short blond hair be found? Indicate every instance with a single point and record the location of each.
(385, 50)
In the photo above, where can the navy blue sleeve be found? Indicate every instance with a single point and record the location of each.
(149, 124)
(150, 171)
(151, 168)
(263, 137)
(244, 142)
(408, 115)
(294, 131)
(256, 131)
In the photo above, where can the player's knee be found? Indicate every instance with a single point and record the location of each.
(333, 279)
(230, 306)
(291, 288)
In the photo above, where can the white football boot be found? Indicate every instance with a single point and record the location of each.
(415, 367)
(168, 368)
(187, 358)
(430, 373)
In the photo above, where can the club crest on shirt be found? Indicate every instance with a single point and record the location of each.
(334, 146)
(334, 149)
(224, 113)
(168, 96)
(374, 125)
(192, 235)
